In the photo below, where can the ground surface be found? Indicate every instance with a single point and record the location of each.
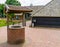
(34, 37)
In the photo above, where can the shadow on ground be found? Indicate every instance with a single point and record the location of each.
(10, 45)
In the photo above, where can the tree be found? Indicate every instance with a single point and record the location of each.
(1, 10)
(13, 2)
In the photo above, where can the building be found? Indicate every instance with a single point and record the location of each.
(35, 9)
(49, 15)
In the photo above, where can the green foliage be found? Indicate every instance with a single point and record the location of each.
(11, 15)
(9, 2)
(1, 6)
(13, 2)
(1, 10)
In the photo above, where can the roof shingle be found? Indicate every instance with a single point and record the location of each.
(17, 9)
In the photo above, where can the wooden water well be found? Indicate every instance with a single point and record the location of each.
(16, 34)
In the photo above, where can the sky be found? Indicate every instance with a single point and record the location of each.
(28, 2)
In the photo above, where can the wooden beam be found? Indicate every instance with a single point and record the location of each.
(24, 20)
(7, 21)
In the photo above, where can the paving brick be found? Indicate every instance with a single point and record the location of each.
(34, 37)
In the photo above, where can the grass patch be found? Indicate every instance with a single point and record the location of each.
(3, 23)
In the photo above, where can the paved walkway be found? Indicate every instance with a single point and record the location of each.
(35, 37)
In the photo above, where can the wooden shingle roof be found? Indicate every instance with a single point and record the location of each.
(17, 9)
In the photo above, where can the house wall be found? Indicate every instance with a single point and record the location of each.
(45, 21)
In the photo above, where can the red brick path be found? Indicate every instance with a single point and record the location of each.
(35, 37)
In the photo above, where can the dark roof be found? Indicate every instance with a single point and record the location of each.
(17, 9)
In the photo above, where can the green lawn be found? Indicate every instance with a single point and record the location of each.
(3, 23)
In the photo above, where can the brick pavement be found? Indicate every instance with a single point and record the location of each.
(35, 37)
